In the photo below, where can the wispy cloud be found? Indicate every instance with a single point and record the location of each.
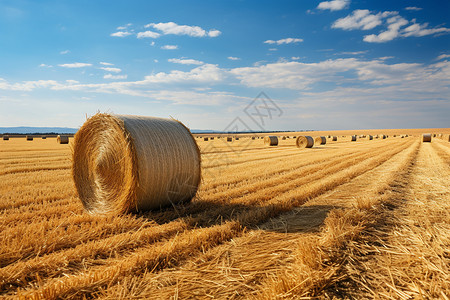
(45, 66)
(106, 63)
(174, 28)
(334, 5)
(169, 47)
(121, 34)
(442, 56)
(284, 41)
(413, 8)
(185, 61)
(233, 58)
(124, 27)
(75, 65)
(110, 76)
(363, 19)
(64, 52)
(148, 34)
(112, 70)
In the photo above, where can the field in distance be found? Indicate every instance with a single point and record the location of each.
(362, 219)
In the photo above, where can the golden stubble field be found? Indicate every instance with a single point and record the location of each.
(364, 219)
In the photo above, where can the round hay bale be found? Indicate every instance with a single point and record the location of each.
(236, 139)
(133, 163)
(271, 140)
(434, 134)
(29, 137)
(229, 139)
(384, 137)
(304, 141)
(212, 138)
(370, 137)
(205, 139)
(427, 137)
(283, 138)
(448, 138)
(334, 138)
(253, 137)
(353, 138)
(44, 137)
(320, 140)
(6, 137)
(62, 139)
(329, 136)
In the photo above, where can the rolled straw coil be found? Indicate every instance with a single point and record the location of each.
(205, 139)
(320, 140)
(62, 139)
(334, 138)
(6, 137)
(29, 137)
(370, 137)
(271, 140)
(427, 137)
(305, 141)
(353, 138)
(133, 163)
(229, 139)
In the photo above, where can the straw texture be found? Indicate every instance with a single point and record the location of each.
(427, 137)
(305, 142)
(320, 140)
(132, 163)
(271, 140)
(62, 139)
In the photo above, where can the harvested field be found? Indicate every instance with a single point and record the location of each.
(362, 219)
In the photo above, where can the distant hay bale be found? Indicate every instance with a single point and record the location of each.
(370, 137)
(283, 138)
(29, 137)
(448, 138)
(205, 139)
(253, 137)
(212, 138)
(304, 141)
(294, 137)
(6, 137)
(44, 137)
(384, 136)
(329, 136)
(271, 140)
(353, 138)
(320, 140)
(229, 139)
(427, 137)
(62, 139)
(133, 163)
(434, 135)
(334, 138)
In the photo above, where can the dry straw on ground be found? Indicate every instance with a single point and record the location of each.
(133, 163)
(62, 139)
(320, 140)
(305, 142)
(427, 137)
(271, 140)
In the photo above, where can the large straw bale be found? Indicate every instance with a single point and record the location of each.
(320, 140)
(304, 141)
(427, 137)
(62, 139)
(271, 140)
(132, 163)
(6, 137)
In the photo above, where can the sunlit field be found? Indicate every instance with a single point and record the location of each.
(361, 219)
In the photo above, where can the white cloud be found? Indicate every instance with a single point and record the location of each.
(124, 27)
(155, 60)
(148, 34)
(121, 34)
(419, 30)
(334, 4)
(393, 31)
(273, 49)
(442, 56)
(112, 70)
(110, 76)
(413, 8)
(169, 47)
(106, 63)
(174, 28)
(284, 41)
(204, 73)
(362, 19)
(214, 33)
(233, 58)
(295, 57)
(64, 52)
(45, 66)
(152, 43)
(75, 65)
(185, 61)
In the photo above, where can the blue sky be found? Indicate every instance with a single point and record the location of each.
(325, 65)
